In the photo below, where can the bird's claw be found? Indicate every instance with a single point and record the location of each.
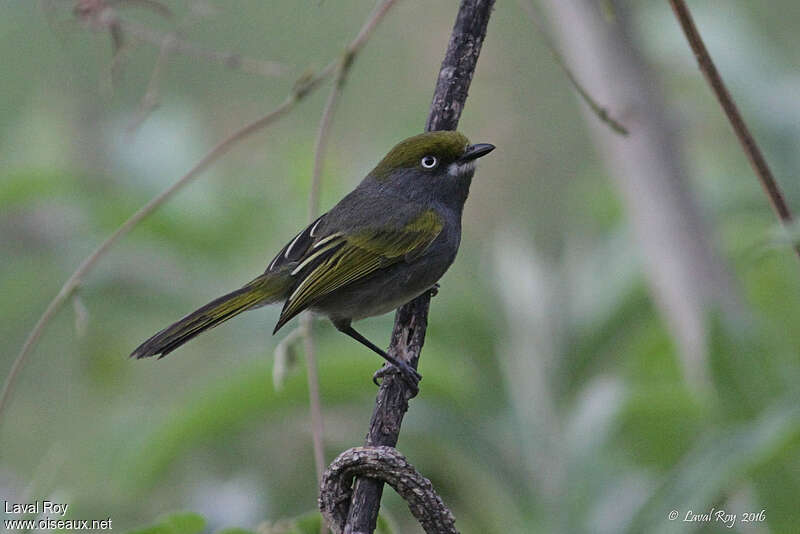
(408, 373)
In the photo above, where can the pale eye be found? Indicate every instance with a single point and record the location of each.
(429, 162)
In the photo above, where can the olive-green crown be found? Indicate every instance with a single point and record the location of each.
(447, 146)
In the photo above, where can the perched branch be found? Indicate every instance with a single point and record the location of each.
(391, 405)
(455, 74)
(411, 319)
(389, 466)
(754, 155)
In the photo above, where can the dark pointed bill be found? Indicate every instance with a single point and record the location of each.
(475, 151)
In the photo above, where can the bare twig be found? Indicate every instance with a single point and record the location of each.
(684, 273)
(150, 100)
(299, 91)
(313, 209)
(306, 321)
(366, 30)
(315, 403)
(317, 426)
(152, 5)
(389, 466)
(754, 155)
(411, 319)
(322, 142)
(230, 60)
(284, 357)
(600, 111)
(100, 15)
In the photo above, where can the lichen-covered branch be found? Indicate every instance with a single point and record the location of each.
(455, 74)
(387, 465)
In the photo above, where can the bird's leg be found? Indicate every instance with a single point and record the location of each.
(409, 373)
(388, 368)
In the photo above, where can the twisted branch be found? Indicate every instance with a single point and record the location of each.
(389, 466)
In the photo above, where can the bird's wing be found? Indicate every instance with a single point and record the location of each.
(296, 249)
(337, 260)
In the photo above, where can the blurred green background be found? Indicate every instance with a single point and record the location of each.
(556, 398)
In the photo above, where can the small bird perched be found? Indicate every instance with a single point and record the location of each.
(385, 243)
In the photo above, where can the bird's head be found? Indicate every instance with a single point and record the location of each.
(439, 159)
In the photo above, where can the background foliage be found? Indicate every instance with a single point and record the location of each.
(553, 398)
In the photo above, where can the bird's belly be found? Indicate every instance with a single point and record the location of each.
(383, 291)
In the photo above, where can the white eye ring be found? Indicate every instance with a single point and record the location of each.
(429, 162)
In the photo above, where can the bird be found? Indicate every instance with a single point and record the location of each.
(383, 244)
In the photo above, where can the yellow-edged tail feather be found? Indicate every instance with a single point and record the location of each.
(265, 289)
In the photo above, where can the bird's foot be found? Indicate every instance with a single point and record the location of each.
(406, 372)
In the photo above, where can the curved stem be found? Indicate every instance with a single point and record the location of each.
(306, 322)
(323, 131)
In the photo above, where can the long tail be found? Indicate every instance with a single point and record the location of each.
(265, 289)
